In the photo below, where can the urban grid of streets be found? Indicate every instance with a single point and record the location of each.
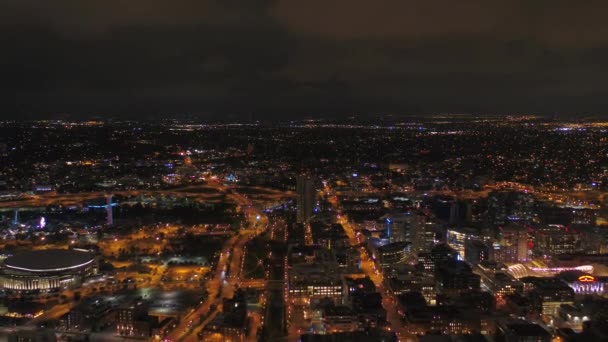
(222, 283)
(369, 268)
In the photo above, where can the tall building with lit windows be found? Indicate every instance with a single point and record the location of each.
(458, 238)
(305, 190)
(509, 206)
(423, 229)
(556, 239)
(512, 245)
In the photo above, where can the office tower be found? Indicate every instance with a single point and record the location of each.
(16, 217)
(555, 239)
(444, 208)
(476, 251)
(458, 237)
(454, 213)
(422, 233)
(439, 254)
(455, 277)
(398, 227)
(306, 198)
(505, 206)
(512, 245)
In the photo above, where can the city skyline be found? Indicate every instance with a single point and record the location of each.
(470, 227)
(303, 171)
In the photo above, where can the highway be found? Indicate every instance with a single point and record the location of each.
(221, 283)
(209, 192)
(227, 274)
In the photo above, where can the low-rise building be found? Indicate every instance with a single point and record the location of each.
(521, 331)
(231, 323)
(339, 319)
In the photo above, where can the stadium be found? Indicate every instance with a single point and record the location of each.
(47, 269)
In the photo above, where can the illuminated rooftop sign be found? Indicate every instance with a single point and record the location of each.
(586, 279)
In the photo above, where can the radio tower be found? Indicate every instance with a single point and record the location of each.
(16, 217)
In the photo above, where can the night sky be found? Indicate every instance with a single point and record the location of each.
(297, 58)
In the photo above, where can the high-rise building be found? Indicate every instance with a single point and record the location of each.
(512, 245)
(555, 239)
(445, 208)
(390, 254)
(457, 238)
(440, 254)
(398, 226)
(306, 198)
(422, 233)
(455, 277)
(505, 206)
(476, 251)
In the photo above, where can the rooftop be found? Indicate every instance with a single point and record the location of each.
(49, 260)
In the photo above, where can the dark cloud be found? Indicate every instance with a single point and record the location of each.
(288, 57)
(544, 22)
